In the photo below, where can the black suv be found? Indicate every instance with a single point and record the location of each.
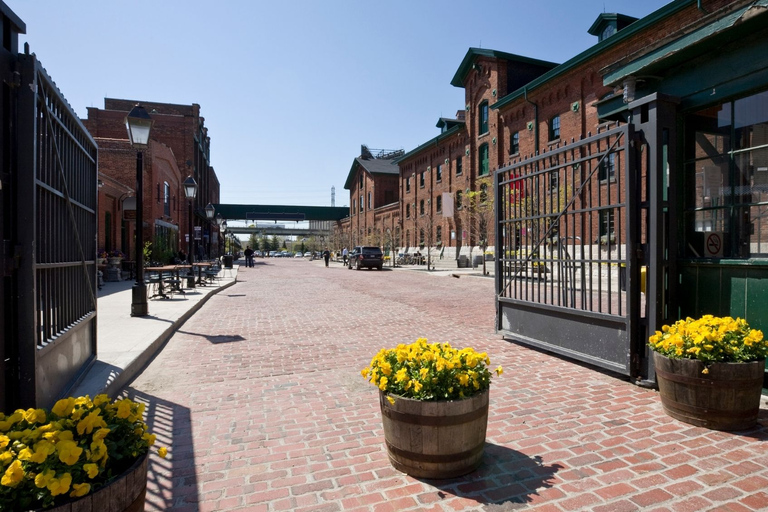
(363, 256)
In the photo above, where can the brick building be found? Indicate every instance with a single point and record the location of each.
(180, 147)
(373, 182)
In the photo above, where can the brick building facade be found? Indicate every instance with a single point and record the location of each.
(179, 147)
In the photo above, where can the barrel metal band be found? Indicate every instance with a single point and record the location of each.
(696, 409)
(730, 383)
(435, 458)
(434, 421)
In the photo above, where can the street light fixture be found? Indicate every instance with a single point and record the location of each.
(209, 213)
(139, 125)
(190, 191)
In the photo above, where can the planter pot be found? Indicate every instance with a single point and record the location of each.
(726, 398)
(439, 440)
(115, 262)
(124, 494)
(101, 261)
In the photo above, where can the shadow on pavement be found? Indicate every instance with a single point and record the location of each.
(216, 338)
(171, 482)
(507, 479)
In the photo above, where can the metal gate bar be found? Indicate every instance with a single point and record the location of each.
(562, 233)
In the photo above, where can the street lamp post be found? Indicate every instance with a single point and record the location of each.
(139, 125)
(210, 211)
(190, 191)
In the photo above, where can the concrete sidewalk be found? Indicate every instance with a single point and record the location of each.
(125, 343)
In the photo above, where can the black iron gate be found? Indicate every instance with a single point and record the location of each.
(50, 290)
(565, 221)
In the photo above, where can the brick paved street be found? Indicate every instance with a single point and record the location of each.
(260, 401)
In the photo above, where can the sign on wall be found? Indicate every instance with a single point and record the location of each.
(713, 244)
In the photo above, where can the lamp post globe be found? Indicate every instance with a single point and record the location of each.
(138, 123)
(190, 191)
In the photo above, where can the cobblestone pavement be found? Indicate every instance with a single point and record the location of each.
(260, 401)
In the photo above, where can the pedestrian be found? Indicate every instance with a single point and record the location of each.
(345, 255)
(326, 256)
(182, 256)
(248, 256)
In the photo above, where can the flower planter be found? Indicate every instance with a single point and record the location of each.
(124, 494)
(725, 398)
(115, 262)
(442, 439)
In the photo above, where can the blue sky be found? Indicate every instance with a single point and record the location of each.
(290, 90)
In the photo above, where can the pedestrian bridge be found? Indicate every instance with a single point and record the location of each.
(280, 212)
(278, 230)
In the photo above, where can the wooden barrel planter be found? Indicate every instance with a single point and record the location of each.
(126, 493)
(443, 439)
(725, 398)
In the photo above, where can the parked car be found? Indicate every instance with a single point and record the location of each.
(272, 254)
(364, 256)
(307, 254)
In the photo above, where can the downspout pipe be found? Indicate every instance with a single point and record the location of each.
(535, 120)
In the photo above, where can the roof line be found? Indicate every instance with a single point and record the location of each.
(431, 141)
(625, 33)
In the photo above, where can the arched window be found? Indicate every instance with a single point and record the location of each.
(482, 120)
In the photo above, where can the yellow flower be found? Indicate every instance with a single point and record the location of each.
(417, 386)
(364, 372)
(91, 421)
(60, 485)
(6, 457)
(101, 434)
(463, 379)
(124, 408)
(13, 475)
(100, 399)
(91, 469)
(69, 452)
(383, 383)
(34, 416)
(64, 407)
(98, 451)
(80, 490)
(42, 479)
(423, 373)
(389, 399)
(705, 370)
(499, 370)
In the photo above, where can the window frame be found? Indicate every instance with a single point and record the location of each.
(554, 128)
(482, 118)
(483, 163)
(459, 166)
(514, 143)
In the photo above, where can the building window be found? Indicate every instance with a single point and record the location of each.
(439, 173)
(483, 118)
(439, 234)
(421, 237)
(458, 198)
(361, 180)
(408, 184)
(421, 179)
(554, 180)
(167, 199)
(421, 207)
(514, 143)
(361, 204)
(554, 128)
(408, 211)
(407, 237)
(439, 203)
(370, 201)
(607, 232)
(483, 192)
(483, 160)
(459, 169)
(607, 170)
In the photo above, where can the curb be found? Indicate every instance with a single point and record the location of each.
(130, 372)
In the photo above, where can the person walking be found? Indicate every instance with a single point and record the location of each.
(345, 255)
(248, 256)
(326, 256)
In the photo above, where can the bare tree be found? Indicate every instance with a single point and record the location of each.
(425, 229)
(477, 213)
